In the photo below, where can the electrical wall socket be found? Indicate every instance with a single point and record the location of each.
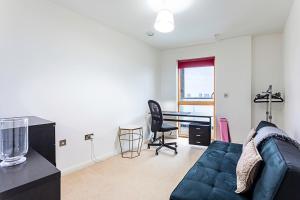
(89, 136)
(62, 142)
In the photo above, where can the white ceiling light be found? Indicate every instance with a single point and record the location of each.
(164, 22)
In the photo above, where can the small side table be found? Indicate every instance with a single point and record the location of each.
(133, 135)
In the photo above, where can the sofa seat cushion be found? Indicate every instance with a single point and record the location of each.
(213, 176)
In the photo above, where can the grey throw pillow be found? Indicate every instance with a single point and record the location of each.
(247, 167)
(250, 136)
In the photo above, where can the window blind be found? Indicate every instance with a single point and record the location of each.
(198, 62)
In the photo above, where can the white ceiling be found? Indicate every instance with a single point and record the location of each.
(196, 21)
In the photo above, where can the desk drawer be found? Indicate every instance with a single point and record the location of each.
(200, 137)
(199, 134)
(196, 130)
(199, 141)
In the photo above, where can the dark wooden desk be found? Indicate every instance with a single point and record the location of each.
(199, 130)
(35, 179)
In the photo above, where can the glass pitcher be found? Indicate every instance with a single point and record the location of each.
(13, 141)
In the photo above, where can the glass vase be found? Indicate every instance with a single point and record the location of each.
(13, 141)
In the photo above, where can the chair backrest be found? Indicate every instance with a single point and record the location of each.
(156, 116)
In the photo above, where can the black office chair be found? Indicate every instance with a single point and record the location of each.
(157, 125)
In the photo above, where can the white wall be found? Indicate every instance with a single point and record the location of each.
(67, 68)
(233, 76)
(292, 72)
(267, 70)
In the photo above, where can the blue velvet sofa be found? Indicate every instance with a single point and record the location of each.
(213, 177)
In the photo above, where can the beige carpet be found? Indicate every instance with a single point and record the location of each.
(142, 178)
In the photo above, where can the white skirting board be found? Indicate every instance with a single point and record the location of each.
(85, 164)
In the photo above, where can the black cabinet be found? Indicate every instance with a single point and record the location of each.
(42, 137)
(35, 179)
(199, 134)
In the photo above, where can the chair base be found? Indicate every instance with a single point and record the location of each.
(162, 144)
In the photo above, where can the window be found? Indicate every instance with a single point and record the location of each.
(196, 89)
(197, 83)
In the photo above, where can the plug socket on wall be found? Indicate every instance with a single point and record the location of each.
(62, 142)
(89, 136)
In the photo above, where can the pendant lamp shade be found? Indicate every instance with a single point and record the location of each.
(164, 22)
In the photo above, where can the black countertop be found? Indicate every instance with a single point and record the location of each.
(35, 170)
(33, 121)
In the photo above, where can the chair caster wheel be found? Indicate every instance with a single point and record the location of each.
(176, 145)
(176, 152)
(156, 153)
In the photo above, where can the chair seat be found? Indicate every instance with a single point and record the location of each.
(167, 127)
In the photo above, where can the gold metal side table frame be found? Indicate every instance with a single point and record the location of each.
(132, 134)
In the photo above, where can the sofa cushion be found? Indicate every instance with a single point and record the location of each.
(213, 176)
(279, 178)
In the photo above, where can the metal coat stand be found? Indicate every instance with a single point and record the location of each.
(269, 97)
